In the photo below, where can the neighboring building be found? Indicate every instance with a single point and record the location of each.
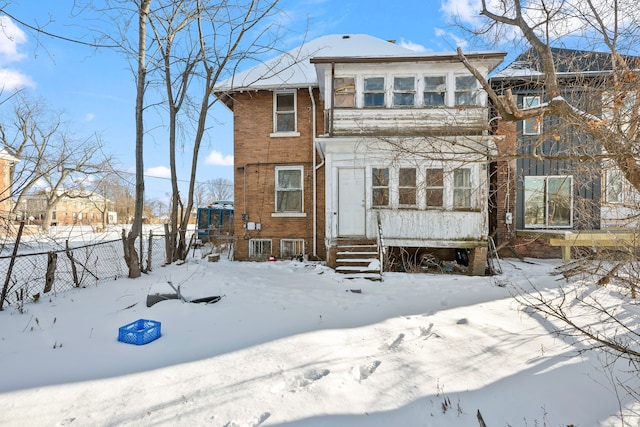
(72, 208)
(7, 162)
(350, 135)
(555, 181)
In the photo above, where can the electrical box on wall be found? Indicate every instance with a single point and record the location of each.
(251, 226)
(508, 218)
(245, 217)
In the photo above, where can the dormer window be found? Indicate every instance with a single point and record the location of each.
(374, 92)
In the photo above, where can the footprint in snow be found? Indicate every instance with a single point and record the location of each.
(363, 372)
(255, 422)
(300, 381)
(394, 345)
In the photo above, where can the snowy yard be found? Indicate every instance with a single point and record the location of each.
(290, 343)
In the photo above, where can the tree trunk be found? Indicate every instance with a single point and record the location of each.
(130, 253)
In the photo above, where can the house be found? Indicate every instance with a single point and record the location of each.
(73, 207)
(7, 162)
(551, 179)
(349, 142)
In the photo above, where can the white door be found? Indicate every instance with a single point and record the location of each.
(351, 202)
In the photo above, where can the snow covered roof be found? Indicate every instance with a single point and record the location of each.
(295, 68)
(5, 155)
(567, 62)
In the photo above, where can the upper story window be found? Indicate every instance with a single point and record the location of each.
(462, 188)
(435, 90)
(532, 126)
(284, 111)
(407, 187)
(289, 189)
(404, 90)
(466, 90)
(344, 92)
(380, 186)
(435, 187)
(374, 92)
(614, 186)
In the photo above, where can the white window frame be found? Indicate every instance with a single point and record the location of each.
(297, 244)
(383, 91)
(397, 91)
(258, 248)
(619, 181)
(441, 188)
(532, 126)
(276, 112)
(466, 189)
(381, 187)
(344, 91)
(545, 204)
(301, 212)
(430, 90)
(413, 187)
(475, 91)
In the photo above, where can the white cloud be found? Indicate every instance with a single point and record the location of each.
(411, 45)
(89, 116)
(10, 38)
(159, 172)
(448, 35)
(11, 80)
(218, 159)
(465, 11)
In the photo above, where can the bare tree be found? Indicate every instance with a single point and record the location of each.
(200, 43)
(51, 156)
(611, 26)
(219, 189)
(594, 123)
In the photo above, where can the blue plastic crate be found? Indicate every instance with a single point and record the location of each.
(140, 332)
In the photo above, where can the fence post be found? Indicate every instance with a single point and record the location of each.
(5, 287)
(149, 251)
(74, 270)
(52, 259)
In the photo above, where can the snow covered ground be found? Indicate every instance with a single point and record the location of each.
(291, 343)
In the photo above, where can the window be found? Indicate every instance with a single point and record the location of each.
(462, 188)
(614, 186)
(435, 89)
(374, 92)
(289, 189)
(466, 90)
(548, 201)
(285, 112)
(259, 248)
(407, 186)
(291, 247)
(380, 186)
(404, 91)
(435, 188)
(344, 92)
(533, 125)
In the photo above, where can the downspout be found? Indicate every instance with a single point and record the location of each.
(333, 78)
(315, 171)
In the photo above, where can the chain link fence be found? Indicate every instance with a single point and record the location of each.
(31, 273)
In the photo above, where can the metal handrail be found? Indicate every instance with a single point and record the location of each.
(381, 247)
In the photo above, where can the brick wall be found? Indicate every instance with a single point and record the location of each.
(256, 156)
(5, 187)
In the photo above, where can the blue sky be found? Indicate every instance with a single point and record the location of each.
(96, 89)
